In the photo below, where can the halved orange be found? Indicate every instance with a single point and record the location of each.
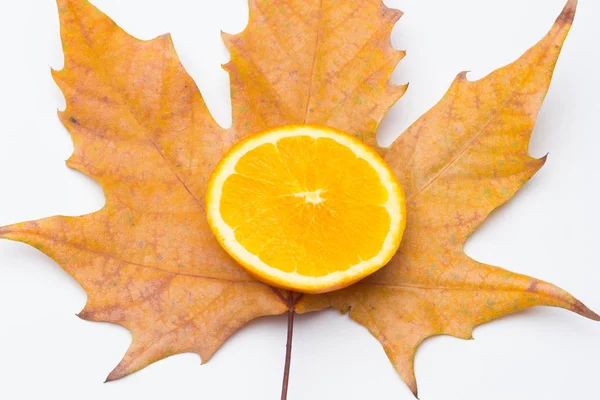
(306, 208)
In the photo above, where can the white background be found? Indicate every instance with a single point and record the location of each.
(550, 230)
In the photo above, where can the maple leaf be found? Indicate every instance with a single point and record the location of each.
(464, 158)
(141, 129)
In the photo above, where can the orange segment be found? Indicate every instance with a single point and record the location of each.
(306, 208)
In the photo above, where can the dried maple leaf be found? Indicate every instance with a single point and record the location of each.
(460, 161)
(140, 127)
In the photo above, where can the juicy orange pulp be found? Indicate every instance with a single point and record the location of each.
(306, 208)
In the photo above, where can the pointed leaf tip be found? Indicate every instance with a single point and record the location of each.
(584, 311)
(415, 392)
(114, 375)
(395, 13)
(568, 13)
(226, 36)
(462, 76)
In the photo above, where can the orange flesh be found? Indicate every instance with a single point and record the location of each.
(317, 206)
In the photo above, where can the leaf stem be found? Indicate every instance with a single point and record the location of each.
(292, 300)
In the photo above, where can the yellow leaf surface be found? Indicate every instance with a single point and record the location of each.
(325, 62)
(460, 161)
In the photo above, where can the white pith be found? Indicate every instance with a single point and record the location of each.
(311, 197)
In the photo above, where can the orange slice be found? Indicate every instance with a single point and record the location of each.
(306, 208)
